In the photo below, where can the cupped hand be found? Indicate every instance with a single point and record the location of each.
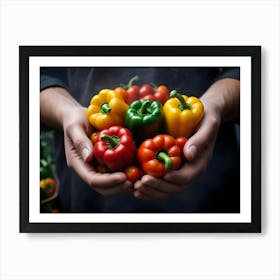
(197, 151)
(79, 155)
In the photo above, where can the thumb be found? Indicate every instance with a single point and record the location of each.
(81, 141)
(204, 136)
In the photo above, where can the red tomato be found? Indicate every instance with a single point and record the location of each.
(149, 96)
(132, 94)
(122, 91)
(146, 89)
(181, 141)
(101, 168)
(162, 94)
(133, 173)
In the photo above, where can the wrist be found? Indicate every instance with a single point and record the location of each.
(55, 104)
(224, 97)
(71, 115)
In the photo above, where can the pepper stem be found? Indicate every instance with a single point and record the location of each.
(143, 108)
(111, 141)
(183, 104)
(164, 157)
(105, 108)
(131, 82)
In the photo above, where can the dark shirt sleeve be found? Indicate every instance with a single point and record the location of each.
(229, 72)
(53, 77)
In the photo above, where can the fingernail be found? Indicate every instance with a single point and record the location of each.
(85, 154)
(192, 150)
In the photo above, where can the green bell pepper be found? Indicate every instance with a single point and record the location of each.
(144, 118)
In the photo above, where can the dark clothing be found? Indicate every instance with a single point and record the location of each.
(217, 190)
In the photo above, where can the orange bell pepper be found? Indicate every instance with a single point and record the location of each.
(159, 155)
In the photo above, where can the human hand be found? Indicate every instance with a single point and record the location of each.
(221, 104)
(197, 151)
(79, 154)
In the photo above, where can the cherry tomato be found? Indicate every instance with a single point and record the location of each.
(146, 89)
(122, 91)
(181, 141)
(162, 94)
(133, 173)
(149, 96)
(132, 94)
(101, 168)
(94, 137)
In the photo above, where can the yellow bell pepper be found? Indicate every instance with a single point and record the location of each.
(182, 114)
(106, 109)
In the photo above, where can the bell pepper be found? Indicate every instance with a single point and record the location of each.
(47, 187)
(182, 114)
(159, 155)
(144, 118)
(115, 148)
(106, 109)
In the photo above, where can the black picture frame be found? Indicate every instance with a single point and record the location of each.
(254, 52)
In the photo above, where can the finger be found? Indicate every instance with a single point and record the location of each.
(87, 172)
(125, 187)
(150, 194)
(142, 196)
(159, 185)
(80, 141)
(190, 170)
(205, 132)
(152, 191)
(105, 184)
(146, 193)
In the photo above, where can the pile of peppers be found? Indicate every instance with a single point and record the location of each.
(141, 129)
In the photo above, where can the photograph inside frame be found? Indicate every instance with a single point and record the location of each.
(140, 139)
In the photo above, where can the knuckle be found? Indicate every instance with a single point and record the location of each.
(79, 144)
(69, 127)
(213, 121)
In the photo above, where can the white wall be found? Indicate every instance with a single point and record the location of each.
(139, 256)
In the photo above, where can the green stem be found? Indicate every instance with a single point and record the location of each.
(131, 82)
(143, 109)
(111, 141)
(164, 157)
(105, 108)
(154, 86)
(183, 104)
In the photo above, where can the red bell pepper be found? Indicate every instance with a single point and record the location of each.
(115, 148)
(159, 155)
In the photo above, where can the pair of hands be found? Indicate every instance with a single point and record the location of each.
(60, 110)
(198, 151)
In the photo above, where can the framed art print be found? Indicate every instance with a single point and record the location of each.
(138, 103)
